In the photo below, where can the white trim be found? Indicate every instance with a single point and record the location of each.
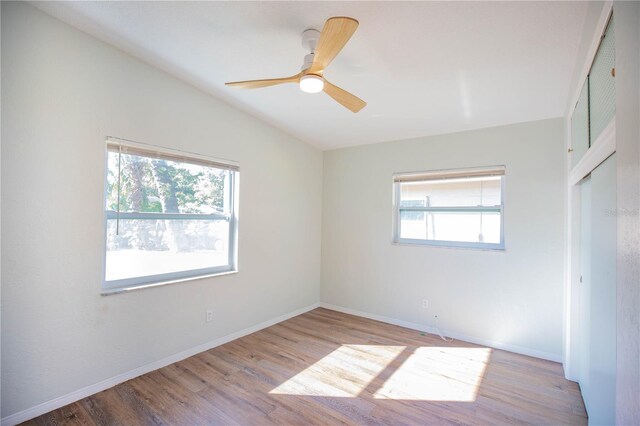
(119, 290)
(63, 400)
(458, 336)
(450, 244)
(601, 149)
(568, 305)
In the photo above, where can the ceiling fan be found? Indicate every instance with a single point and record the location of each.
(324, 47)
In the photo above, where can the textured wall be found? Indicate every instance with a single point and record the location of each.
(628, 153)
(510, 298)
(63, 92)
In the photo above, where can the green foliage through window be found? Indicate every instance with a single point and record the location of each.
(162, 186)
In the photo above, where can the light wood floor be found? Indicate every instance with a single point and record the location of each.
(325, 367)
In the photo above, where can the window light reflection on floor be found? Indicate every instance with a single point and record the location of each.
(438, 374)
(422, 373)
(345, 372)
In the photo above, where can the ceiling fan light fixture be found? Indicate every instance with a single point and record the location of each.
(311, 83)
(323, 47)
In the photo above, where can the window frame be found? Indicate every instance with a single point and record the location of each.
(439, 175)
(135, 283)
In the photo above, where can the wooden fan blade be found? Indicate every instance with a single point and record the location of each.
(336, 33)
(256, 84)
(343, 97)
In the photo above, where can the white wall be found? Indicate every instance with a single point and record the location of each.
(512, 298)
(628, 199)
(63, 92)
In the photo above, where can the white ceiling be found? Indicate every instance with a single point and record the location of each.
(423, 67)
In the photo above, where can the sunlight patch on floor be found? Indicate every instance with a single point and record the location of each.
(438, 374)
(345, 372)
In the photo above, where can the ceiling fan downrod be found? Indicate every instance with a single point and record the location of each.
(310, 39)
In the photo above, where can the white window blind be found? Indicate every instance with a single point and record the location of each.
(449, 174)
(150, 151)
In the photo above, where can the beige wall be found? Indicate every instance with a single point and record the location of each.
(511, 299)
(63, 92)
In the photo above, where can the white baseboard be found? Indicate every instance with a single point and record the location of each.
(63, 400)
(458, 336)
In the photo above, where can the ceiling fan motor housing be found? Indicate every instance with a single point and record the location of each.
(310, 39)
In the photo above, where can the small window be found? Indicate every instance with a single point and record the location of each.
(451, 208)
(169, 216)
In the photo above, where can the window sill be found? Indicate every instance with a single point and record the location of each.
(448, 245)
(112, 291)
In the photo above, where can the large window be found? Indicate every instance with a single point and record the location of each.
(455, 208)
(169, 216)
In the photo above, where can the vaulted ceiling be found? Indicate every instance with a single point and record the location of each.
(423, 67)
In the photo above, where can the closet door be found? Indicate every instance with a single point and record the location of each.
(602, 89)
(597, 328)
(602, 335)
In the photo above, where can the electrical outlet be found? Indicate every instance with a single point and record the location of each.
(209, 316)
(425, 304)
